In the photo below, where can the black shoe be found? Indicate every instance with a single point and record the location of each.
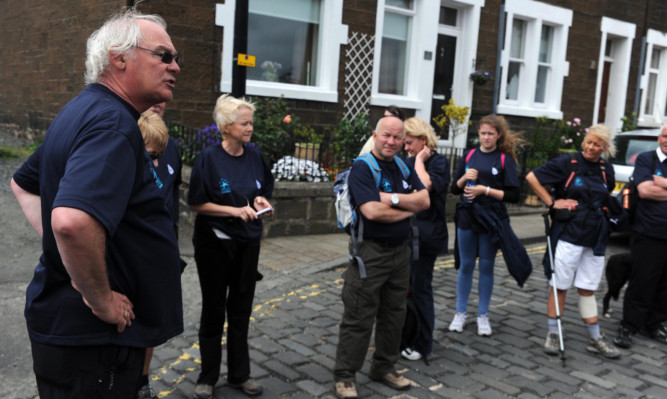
(623, 338)
(659, 334)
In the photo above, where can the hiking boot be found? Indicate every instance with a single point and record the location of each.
(458, 323)
(146, 392)
(411, 354)
(602, 347)
(203, 391)
(623, 338)
(394, 380)
(250, 387)
(483, 326)
(345, 389)
(552, 344)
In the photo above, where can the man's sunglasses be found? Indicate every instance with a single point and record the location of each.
(166, 57)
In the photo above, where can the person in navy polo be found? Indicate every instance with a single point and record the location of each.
(645, 301)
(110, 253)
(379, 298)
(583, 184)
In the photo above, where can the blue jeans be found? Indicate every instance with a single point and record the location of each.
(471, 245)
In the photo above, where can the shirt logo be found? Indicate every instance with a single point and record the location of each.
(578, 182)
(259, 185)
(658, 171)
(405, 185)
(494, 171)
(170, 169)
(386, 186)
(225, 188)
(158, 182)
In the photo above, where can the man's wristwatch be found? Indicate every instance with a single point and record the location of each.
(394, 199)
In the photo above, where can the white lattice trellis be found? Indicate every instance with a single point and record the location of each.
(358, 74)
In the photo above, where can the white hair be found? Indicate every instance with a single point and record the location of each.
(120, 33)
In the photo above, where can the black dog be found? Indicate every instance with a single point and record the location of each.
(617, 273)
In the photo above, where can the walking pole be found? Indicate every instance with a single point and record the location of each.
(553, 284)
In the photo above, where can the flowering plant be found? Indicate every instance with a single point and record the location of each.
(295, 169)
(270, 69)
(480, 77)
(190, 145)
(454, 119)
(571, 133)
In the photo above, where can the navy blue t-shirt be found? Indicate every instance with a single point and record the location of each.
(93, 159)
(225, 179)
(491, 173)
(651, 216)
(363, 189)
(587, 187)
(169, 172)
(432, 222)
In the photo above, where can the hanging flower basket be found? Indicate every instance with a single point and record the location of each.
(481, 77)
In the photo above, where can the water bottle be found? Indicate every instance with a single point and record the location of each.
(470, 183)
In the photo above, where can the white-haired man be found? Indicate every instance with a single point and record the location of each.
(110, 251)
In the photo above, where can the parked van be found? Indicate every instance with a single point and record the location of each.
(628, 145)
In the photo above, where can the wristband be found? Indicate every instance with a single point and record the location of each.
(487, 190)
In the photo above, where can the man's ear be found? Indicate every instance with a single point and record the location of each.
(117, 60)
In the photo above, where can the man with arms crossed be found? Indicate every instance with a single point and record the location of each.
(385, 214)
(109, 249)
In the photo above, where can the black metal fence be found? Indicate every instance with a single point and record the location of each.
(316, 162)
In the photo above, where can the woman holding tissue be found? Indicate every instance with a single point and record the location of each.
(229, 189)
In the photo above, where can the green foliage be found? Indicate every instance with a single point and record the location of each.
(629, 122)
(6, 153)
(348, 138)
(272, 131)
(308, 135)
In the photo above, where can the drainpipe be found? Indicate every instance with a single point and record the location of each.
(499, 50)
(642, 55)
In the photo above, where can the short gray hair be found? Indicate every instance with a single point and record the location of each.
(121, 33)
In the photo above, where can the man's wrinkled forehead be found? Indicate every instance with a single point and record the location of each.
(391, 126)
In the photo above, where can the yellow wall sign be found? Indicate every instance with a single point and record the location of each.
(246, 60)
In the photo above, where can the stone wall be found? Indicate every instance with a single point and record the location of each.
(301, 208)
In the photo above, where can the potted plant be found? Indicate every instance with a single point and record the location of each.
(480, 77)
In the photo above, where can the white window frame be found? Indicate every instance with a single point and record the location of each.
(622, 33)
(536, 14)
(333, 34)
(422, 39)
(654, 39)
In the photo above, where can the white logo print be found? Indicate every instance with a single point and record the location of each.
(170, 169)
(405, 185)
(259, 185)
(494, 171)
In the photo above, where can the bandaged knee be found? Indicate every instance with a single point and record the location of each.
(588, 306)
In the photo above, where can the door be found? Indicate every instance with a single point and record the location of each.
(604, 92)
(443, 79)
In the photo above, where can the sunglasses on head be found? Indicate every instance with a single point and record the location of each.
(165, 56)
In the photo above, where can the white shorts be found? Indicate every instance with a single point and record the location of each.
(577, 264)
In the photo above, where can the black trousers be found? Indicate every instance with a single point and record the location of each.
(227, 275)
(83, 372)
(645, 301)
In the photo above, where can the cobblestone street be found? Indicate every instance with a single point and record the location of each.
(295, 329)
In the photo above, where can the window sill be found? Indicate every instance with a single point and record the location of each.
(529, 112)
(297, 92)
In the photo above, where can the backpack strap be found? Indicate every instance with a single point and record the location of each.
(372, 164)
(403, 167)
(574, 168)
(470, 155)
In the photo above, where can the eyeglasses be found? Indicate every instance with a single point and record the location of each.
(165, 56)
(156, 155)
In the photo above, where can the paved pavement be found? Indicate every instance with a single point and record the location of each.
(294, 331)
